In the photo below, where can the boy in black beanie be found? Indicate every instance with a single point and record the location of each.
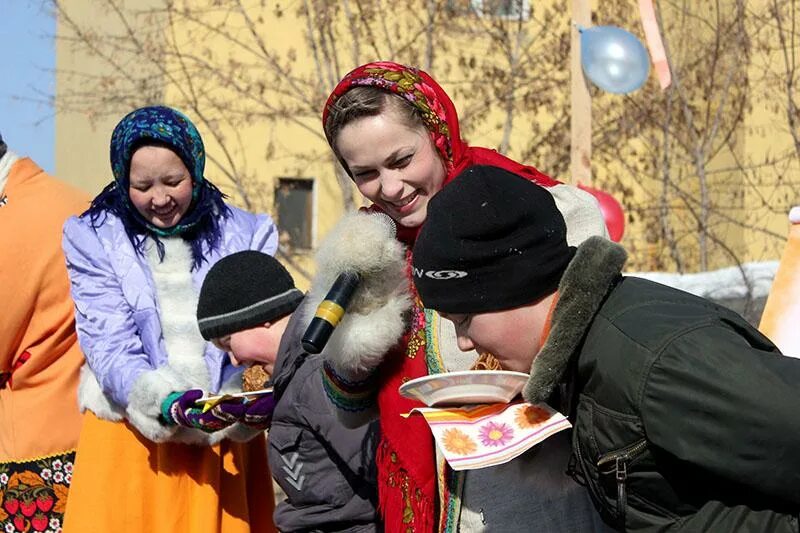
(684, 415)
(246, 307)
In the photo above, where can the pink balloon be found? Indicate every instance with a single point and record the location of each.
(612, 212)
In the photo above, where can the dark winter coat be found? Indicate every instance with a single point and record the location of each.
(325, 469)
(686, 417)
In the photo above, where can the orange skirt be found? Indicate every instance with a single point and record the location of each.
(125, 483)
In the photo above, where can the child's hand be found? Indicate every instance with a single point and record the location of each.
(258, 413)
(180, 408)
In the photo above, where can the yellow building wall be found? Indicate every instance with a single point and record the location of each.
(766, 137)
(86, 116)
(264, 150)
(261, 149)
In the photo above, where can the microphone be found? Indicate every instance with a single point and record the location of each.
(331, 310)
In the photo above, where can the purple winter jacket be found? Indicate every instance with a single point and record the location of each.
(117, 312)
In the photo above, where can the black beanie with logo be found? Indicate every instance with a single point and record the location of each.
(242, 291)
(492, 241)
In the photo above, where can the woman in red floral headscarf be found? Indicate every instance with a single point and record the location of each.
(396, 133)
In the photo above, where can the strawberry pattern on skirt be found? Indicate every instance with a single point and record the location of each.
(33, 494)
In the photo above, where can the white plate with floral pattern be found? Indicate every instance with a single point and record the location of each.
(466, 387)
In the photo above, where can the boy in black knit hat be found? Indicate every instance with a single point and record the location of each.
(684, 415)
(246, 307)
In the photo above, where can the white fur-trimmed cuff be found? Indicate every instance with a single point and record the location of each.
(144, 403)
(360, 342)
(375, 319)
(364, 243)
(144, 409)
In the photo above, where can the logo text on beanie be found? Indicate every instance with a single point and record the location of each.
(439, 274)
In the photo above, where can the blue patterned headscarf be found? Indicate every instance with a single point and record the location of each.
(167, 127)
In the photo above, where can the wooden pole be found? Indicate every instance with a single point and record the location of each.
(581, 102)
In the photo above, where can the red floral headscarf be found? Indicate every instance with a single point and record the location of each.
(437, 111)
(439, 116)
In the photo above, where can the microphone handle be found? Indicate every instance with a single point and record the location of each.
(330, 312)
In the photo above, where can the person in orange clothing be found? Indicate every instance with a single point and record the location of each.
(39, 353)
(782, 309)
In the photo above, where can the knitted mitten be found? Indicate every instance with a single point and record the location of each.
(180, 408)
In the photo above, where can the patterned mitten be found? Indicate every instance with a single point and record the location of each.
(179, 408)
(258, 413)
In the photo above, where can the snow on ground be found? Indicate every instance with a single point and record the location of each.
(753, 279)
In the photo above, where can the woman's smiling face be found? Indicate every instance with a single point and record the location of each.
(160, 185)
(395, 166)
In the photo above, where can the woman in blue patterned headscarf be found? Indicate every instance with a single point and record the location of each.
(161, 126)
(136, 259)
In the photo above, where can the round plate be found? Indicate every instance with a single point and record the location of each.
(467, 387)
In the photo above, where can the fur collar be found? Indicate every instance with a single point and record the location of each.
(177, 303)
(186, 366)
(583, 288)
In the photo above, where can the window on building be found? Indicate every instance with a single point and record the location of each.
(294, 208)
(508, 9)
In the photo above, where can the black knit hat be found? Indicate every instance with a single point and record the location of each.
(244, 290)
(492, 241)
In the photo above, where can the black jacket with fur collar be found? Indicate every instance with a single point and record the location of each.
(686, 417)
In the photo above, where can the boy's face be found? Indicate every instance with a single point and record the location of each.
(254, 345)
(513, 336)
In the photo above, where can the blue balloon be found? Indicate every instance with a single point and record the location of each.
(614, 59)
